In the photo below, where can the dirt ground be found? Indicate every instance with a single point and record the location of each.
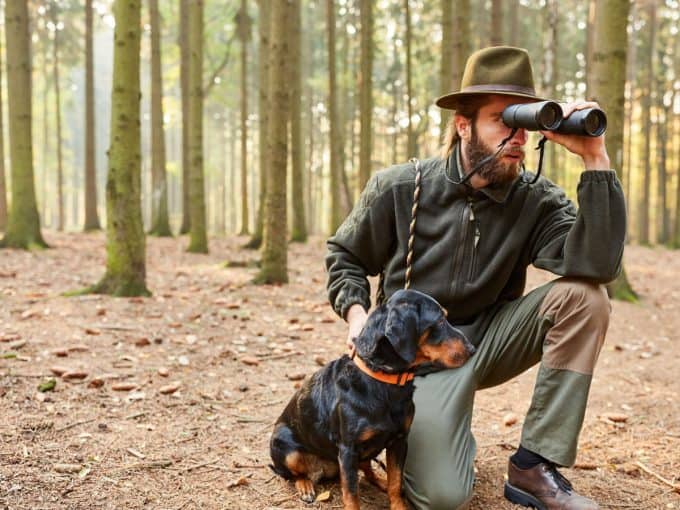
(211, 360)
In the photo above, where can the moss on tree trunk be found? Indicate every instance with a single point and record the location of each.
(125, 243)
(23, 223)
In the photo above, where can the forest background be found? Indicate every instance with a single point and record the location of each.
(247, 125)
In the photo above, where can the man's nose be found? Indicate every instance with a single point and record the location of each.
(520, 137)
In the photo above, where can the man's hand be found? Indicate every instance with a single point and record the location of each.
(356, 318)
(591, 148)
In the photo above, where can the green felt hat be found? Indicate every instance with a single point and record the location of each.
(502, 70)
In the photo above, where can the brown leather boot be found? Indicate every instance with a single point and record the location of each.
(544, 488)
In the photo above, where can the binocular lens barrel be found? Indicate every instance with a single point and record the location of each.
(546, 115)
(588, 122)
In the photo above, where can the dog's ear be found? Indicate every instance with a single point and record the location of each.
(401, 329)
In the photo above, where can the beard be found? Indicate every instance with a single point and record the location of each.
(495, 171)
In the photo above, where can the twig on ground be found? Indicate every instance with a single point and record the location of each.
(674, 486)
(66, 427)
(202, 464)
(267, 357)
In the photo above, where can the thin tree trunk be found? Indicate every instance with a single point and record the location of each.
(57, 106)
(411, 136)
(44, 203)
(335, 181)
(3, 184)
(644, 207)
(274, 246)
(662, 126)
(232, 171)
(630, 112)
(299, 230)
(244, 31)
(365, 92)
(513, 26)
(160, 223)
(592, 5)
(23, 224)
(91, 216)
(461, 40)
(184, 86)
(496, 26)
(125, 243)
(264, 64)
(608, 81)
(446, 64)
(198, 237)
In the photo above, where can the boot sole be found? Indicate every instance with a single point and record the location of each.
(519, 497)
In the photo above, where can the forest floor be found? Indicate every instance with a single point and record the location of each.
(210, 360)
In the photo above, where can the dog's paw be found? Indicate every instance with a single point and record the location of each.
(305, 489)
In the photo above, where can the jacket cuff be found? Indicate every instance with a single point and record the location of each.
(349, 296)
(598, 176)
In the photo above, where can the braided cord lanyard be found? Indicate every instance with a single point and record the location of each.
(380, 296)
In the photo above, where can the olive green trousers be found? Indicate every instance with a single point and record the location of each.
(562, 325)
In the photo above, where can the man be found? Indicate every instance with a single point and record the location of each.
(473, 243)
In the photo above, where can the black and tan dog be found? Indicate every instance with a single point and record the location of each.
(354, 407)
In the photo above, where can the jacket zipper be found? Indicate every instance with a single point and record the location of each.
(460, 258)
(475, 241)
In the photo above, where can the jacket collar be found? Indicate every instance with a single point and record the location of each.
(497, 193)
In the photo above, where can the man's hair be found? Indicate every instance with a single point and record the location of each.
(468, 109)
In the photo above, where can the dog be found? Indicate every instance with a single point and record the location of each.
(345, 414)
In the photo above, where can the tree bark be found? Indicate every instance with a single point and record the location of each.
(264, 26)
(244, 33)
(184, 86)
(365, 92)
(3, 183)
(198, 242)
(592, 5)
(299, 230)
(91, 216)
(57, 107)
(274, 246)
(23, 224)
(335, 217)
(643, 226)
(125, 243)
(608, 68)
(160, 224)
(410, 132)
(446, 64)
(461, 40)
(496, 25)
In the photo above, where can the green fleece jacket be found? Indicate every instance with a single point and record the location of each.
(472, 247)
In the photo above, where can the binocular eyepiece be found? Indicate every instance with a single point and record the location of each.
(547, 116)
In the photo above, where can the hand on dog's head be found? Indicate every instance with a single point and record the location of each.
(395, 332)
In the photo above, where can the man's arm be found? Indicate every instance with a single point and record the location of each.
(588, 243)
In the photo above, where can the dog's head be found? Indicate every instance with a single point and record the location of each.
(410, 331)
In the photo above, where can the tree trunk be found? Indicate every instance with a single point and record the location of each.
(91, 216)
(608, 82)
(446, 64)
(23, 224)
(630, 103)
(335, 181)
(274, 247)
(244, 33)
(160, 224)
(496, 25)
(57, 108)
(592, 5)
(643, 227)
(365, 93)
(662, 127)
(513, 26)
(184, 86)
(125, 243)
(550, 69)
(198, 242)
(411, 136)
(299, 231)
(3, 184)
(461, 40)
(264, 63)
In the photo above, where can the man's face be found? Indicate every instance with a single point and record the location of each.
(482, 137)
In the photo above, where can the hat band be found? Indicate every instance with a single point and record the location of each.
(491, 88)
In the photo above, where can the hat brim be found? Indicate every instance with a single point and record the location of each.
(451, 101)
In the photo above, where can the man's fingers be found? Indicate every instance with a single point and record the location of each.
(569, 108)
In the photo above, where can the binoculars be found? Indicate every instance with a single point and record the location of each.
(547, 115)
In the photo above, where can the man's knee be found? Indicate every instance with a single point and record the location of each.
(451, 496)
(579, 311)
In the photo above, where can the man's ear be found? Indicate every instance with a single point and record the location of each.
(463, 127)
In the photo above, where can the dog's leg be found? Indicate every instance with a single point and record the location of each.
(372, 477)
(349, 476)
(396, 456)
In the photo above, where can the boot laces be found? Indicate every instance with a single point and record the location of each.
(559, 478)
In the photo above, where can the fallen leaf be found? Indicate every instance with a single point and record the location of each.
(96, 383)
(142, 342)
(616, 417)
(58, 370)
(169, 388)
(61, 352)
(92, 331)
(18, 344)
(250, 360)
(47, 385)
(67, 468)
(324, 496)
(135, 453)
(163, 372)
(510, 419)
(78, 348)
(123, 386)
(319, 360)
(241, 481)
(74, 375)
(296, 377)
